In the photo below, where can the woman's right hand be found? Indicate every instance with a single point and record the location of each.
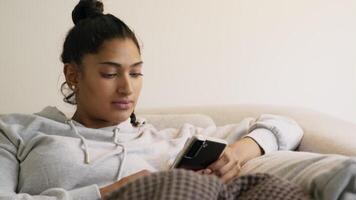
(110, 188)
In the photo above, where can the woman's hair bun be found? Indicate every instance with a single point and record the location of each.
(86, 9)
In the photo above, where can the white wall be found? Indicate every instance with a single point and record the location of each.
(284, 52)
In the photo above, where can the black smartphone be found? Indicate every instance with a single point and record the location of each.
(199, 152)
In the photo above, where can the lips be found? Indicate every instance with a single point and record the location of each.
(122, 104)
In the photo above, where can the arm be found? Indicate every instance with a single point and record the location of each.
(273, 132)
(110, 188)
(266, 134)
(9, 169)
(246, 149)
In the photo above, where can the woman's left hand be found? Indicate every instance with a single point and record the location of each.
(226, 167)
(235, 155)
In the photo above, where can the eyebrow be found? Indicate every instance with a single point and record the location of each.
(114, 64)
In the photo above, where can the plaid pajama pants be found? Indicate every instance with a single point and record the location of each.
(182, 184)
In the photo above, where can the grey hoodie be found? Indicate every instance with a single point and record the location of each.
(48, 156)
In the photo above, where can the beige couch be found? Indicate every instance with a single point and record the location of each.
(322, 133)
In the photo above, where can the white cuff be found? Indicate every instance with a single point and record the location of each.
(265, 139)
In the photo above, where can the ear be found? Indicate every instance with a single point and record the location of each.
(71, 73)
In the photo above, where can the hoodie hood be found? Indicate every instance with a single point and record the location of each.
(53, 113)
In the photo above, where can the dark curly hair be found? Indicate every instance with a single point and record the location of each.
(92, 28)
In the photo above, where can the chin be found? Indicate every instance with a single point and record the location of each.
(121, 117)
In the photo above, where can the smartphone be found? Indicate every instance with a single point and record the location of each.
(199, 152)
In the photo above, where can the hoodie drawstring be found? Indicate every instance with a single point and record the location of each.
(82, 139)
(124, 153)
(86, 151)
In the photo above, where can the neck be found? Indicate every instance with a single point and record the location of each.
(90, 122)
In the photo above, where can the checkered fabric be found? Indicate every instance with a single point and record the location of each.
(185, 185)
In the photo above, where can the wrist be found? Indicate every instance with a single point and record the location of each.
(246, 149)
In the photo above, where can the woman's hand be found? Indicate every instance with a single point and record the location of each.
(110, 188)
(226, 167)
(235, 155)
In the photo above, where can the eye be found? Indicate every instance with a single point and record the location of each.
(109, 75)
(135, 75)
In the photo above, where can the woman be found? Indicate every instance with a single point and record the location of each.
(48, 155)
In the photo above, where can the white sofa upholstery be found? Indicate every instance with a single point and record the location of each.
(322, 133)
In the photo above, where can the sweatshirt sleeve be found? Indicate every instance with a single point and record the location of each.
(273, 132)
(9, 169)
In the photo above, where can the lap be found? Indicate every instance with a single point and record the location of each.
(184, 184)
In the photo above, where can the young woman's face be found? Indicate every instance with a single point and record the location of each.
(109, 84)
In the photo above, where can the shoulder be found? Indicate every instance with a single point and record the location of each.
(12, 129)
(48, 112)
(19, 124)
(15, 118)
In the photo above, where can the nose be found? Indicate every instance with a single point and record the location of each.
(124, 85)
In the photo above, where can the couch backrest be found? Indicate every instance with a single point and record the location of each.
(322, 133)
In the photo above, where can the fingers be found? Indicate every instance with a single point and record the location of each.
(226, 167)
(231, 174)
(222, 161)
(204, 171)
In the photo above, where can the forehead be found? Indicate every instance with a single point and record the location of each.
(119, 48)
(123, 51)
